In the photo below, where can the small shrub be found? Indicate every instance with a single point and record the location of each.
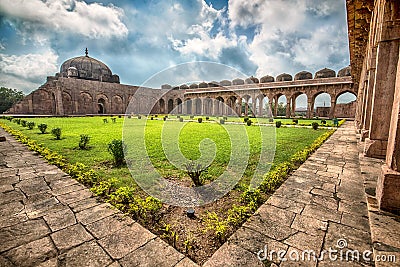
(315, 125)
(249, 122)
(194, 171)
(278, 124)
(119, 116)
(295, 121)
(200, 120)
(225, 118)
(178, 117)
(181, 119)
(105, 120)
(56, 132)
(139, 117)
(165, 118)
(191, 117)
(271, 120)
(245, 119)
(42, 127)
(323, 122)
(116, 149)
(84, 141)
(23, 123)
(222, 121)
(30, 125)
(207, 118)
(113, 120)
(151, 118)
(218, 226)
(129, 116)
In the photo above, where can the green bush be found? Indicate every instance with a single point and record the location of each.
(200, 120)
(113, 120)
(191, 117)
(323, 121)
(315, 125)
(165, 118)
(42, 127)
(249, 122)
(181, 119)
(84, 141)
(116, 149)
(139, 117)
(30, 125)
(105, 120)
(271, 120)
(245, 119)
(56, 132)
(23, 123)
(225, 118)
(222, 121)
(295, 121)
(278, 124)
(194, 171)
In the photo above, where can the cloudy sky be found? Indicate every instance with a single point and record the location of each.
(138, 39)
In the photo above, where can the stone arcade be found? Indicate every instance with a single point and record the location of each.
(87, 86)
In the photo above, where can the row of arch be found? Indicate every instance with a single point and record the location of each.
(247, 105)
(303, 75)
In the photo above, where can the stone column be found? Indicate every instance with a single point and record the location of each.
(369, 89)
(332, 109)
(260, 106)
(254, 104)
(383, 93)
(287, 107)
(276, 106)
(387, 190)
(293, 109)
(246, 107)
(309, 108)
(239, 108)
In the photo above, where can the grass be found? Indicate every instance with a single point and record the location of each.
(288, 142)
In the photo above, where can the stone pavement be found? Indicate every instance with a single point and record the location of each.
(49, 219)
(321, 206)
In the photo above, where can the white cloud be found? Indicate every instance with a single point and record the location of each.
(27, 70)
(74, 16)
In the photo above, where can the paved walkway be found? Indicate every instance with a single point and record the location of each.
(48, 219)
(321, 204)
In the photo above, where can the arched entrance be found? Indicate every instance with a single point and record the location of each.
(101, 106)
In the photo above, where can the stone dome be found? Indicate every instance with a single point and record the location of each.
(251, 80)
(267, 79)
(184, 86)
(303, 75)
(325, 73)
(166, 86)
(225, 83)
(344, 72)
(237, 82)
(284, 77)
(88, 68)
(203, 85)
(193, 86)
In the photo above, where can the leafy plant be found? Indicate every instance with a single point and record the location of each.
(200, 120)
(181, 119)
(245, 119)
(315, 125)
(295, 121)
(222, 121)
(278, 124)
(218, 226)
(271, 120)
(42, 127)
(116, 149)
(105, 120)
(104, 188)
(249, 122)
(113, 120)
(30, 125)
(23, 123)
(194, 171)
(170, 234)
(84, 141)
(56, 132)
(207, 118)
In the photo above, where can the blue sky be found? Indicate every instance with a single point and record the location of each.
(138, 39)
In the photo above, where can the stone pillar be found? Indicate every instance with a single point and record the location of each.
(287, 107)
(260, 106)
(276, 106)
(383, 93)
(254, 104)
(369, 89)
(293, 109)
(332, 109)
(246, 107)
(270, 112)
(239, 108)
(309, 108)
(387, 190)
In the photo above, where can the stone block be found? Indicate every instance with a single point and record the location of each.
(234, 256)
(70, 237)
(387, 190)
(89, 254)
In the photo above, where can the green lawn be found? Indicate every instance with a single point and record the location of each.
(288, 141)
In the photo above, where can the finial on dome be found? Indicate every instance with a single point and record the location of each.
(86, 52)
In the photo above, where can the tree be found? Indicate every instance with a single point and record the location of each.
(281, 108)
(9, 97)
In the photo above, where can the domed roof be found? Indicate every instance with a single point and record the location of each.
(251, 80)
(344, 72)
(237, 81)
(85, 67)
(325, 73)
(267, 79)
(284, 77)
(303, 75)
